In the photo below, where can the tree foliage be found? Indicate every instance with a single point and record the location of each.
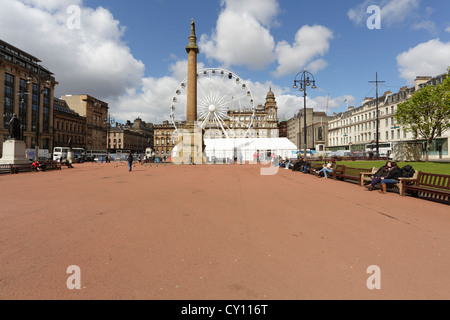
(427, 113)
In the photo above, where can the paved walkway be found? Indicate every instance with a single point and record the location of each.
(215, 232)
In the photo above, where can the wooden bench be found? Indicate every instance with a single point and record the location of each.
(351, 173)
(429, 185)
(5, 168)
(319, 166)
(338, 170)
(16, 168)
(366, 178)
(315, 166)
(50, 166)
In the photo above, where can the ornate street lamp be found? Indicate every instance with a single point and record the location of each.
(109, 122)
(303, 80)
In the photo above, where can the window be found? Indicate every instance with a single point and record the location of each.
(46, 110)
(9, 99)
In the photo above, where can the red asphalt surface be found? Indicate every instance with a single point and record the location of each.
(215, 233)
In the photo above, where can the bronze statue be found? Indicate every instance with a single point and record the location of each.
(14, 128)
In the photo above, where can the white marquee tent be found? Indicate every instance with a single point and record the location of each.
(228, 148)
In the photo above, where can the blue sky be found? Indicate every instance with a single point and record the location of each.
(131, 53)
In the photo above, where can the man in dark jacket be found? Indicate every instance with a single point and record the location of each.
(130, 162)
(393, 177)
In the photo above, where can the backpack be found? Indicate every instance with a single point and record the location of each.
(408, 172)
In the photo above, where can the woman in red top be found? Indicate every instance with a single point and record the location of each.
(36, 165)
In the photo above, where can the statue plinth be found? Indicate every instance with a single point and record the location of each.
(193, 143)
(14, 152)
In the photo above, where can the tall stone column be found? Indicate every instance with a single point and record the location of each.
(193, 143)
(192, 51)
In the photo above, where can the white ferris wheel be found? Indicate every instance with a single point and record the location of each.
(225, 104)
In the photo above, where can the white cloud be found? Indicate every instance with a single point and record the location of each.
(92, 59)
(290, 101)
(95, 60)
(51, 5)
(264, 11)
(255, 48)
(392, 11)
(152, 101)
(230, 46)
(427, 25)
(448, 29)
(426, 59)
(396, 11)
(310, 42)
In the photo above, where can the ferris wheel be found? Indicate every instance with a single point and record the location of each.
(225, 104)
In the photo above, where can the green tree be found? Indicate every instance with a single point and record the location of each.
(427, 113)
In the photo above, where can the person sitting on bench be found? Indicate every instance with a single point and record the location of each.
(382, 173)
(326, 169)
(36, 166)
(306, 165)
(394, 177)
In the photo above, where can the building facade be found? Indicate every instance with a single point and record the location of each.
(355, 128)
(316, 130)
(135, 137)
(26, 89)
(164, 140)
(282, 127)
(263, 124)
(96, 113)
(68, 125)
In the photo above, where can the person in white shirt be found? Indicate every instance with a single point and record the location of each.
(326, 169)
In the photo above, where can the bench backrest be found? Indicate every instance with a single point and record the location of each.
(356, 171)
(432, 180)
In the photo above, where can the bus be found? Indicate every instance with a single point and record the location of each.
(96, 155)
(60, 153)
(79, 155)
(385, 149)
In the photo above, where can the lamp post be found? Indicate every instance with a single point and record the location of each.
(376, 82)
(38, 76)
(303, 80)
(23, 125)
(109, 122)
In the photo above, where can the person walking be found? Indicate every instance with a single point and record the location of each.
(130, 162)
